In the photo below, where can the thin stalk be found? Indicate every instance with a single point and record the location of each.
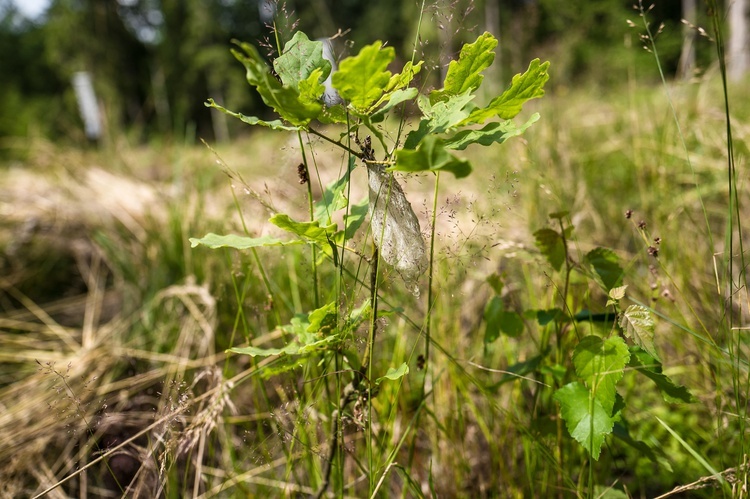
(431, 287)
(733, 214)
(313, 248)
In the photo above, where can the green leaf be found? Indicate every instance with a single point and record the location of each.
(310, 232)
(333, 198)
(655, 455)
(285, 100)
(551, 244)
(396, 98)
(289, 349)
(394, 374)
(440, 118)
(605, 265)
(402, 79)
(361, 79)
(587, 421)
(492, 133)
(523, 88)
(356, 218)
(639, 326)
(252, 120)
(465, 74)
(601, 364)
(430, 155)
(647, 365)
(498, 320)
(496, 282)
(616, 294)
(311, 89)
(492, 313)
(301, 59)
(215, 241)
(323, 320)
(544, 317)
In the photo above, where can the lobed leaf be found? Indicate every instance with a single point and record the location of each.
(430, 155)
(310, 232)
(601, 364)
(639, 326)
(252, 120)
(285, 100)
(300, 59)
(362, 79)
(492, 133)
(465, 74)
(587, 421)
(523, 88)
(215, 241)
(440, 118)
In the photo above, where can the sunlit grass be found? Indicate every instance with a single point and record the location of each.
(139, 350)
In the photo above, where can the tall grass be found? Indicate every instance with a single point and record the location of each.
(122, 376)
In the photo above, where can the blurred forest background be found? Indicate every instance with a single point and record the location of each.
(155, 62)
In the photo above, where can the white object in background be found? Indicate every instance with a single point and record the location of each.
(87, 104)
(331, 96)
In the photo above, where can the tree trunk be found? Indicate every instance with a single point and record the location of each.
(738, 47)
(687, 56)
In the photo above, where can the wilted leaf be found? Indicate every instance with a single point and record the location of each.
(587, 421)
(395, 227)
(639, 326)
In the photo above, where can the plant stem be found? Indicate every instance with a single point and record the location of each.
(313, 248)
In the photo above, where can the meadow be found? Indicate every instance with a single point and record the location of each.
(115, 374)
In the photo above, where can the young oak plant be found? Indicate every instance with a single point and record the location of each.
(450, 121)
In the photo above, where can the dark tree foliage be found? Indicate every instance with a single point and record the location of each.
(155, 62)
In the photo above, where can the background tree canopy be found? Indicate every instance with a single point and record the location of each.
(155, 62)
